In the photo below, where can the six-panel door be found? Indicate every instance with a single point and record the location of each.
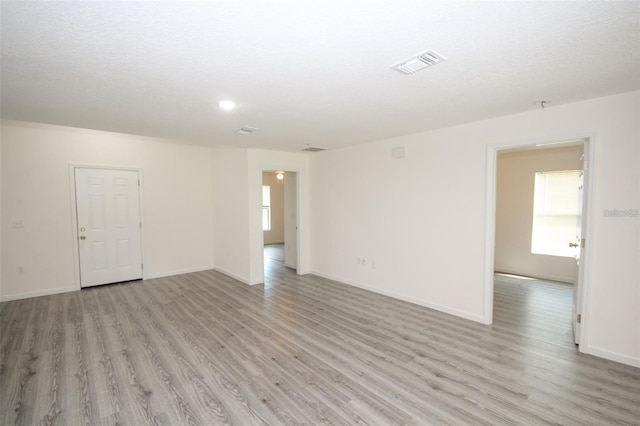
(109, 234)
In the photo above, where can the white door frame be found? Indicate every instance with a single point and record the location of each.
(74, 213)
(490, 223)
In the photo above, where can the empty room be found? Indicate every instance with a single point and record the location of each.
(288, 212)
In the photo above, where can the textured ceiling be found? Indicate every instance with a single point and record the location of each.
(306, 72)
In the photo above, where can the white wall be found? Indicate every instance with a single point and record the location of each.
(420, 222)
(177, 203)
(514, 212)
(231, 213)
(237, 188)
(276, 233)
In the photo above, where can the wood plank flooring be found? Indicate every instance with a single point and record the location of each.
(204, 349)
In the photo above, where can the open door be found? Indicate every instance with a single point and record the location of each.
(291, 220)
(579, 245)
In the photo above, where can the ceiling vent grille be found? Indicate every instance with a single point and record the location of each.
(419, 62)
(313, 149)
(246, 130)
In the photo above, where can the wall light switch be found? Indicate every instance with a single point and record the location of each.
(399, 152)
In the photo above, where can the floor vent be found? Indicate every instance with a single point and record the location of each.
(419, 62)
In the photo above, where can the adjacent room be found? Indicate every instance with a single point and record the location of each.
(537, 259)
(285, 212)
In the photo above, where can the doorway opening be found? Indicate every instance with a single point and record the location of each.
(541, 291)
(279, 223)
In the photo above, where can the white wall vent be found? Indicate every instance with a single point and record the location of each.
(419, 62)
(246, 130)
(313, 149)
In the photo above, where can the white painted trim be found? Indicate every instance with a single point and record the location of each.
(74, 225)
(235, 277)
(434, 306)
(300, 270)
(178, 272)
(74, 213)
(610, 355)
(548, 277)
(47, 292)
(489, 235)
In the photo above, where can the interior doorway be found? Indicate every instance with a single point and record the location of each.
(280, 220)
(558, 281)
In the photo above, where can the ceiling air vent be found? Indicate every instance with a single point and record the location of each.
(246, 130)
(313, 149)
(419, 62)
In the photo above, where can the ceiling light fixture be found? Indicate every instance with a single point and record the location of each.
(227, 105)
(280, 176)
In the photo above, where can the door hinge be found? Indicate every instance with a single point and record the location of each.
(582, 243)
(142, 267)
(579, 319)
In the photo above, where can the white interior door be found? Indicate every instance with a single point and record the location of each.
(291, 220)
(579, 244)
(108, 220)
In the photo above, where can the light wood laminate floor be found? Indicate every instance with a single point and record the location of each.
(204, 349)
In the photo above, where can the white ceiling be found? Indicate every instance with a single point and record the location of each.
(306, 72)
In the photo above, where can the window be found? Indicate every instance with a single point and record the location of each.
(266, 208)
(555, 212)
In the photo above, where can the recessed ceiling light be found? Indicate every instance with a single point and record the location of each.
(227, 105)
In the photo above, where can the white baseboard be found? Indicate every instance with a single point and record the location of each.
(47, 292)
(435, 306)
(611, 356)
(548, 277)
(236, 277)
(177, 272)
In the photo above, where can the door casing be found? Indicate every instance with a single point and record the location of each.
(298, 248)
(490, 225)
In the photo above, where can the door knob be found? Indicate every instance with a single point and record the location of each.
(573, 244)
